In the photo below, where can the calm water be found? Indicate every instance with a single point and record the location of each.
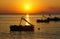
(49, 30)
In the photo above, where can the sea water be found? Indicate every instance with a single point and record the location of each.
(49, 30)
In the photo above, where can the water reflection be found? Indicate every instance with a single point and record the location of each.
(27, 18)
(49, 30)
(29, 35)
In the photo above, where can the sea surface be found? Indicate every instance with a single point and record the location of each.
(49, 30)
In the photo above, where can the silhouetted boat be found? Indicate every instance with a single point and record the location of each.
(49, 19)
(21, 27)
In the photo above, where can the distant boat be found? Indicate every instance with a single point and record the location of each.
(21, 27)
(48, 20)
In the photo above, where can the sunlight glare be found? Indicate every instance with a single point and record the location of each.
(27, 18)
(27, 7)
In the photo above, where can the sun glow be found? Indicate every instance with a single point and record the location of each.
(27, 7)
(27, 18)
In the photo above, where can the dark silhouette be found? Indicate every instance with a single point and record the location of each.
(38, 28)
(48, 20)
(21, 27)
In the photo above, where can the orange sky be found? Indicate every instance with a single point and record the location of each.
(36, 6)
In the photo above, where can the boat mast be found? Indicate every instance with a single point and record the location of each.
(24, 20)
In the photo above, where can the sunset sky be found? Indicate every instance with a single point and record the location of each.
(29, 6)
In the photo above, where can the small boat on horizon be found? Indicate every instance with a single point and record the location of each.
(48, 20)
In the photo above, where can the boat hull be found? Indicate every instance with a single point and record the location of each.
(21, 28)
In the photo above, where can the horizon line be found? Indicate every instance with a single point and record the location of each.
(25, 13)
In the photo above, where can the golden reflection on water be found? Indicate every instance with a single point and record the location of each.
(27, 18)
(7, 20)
